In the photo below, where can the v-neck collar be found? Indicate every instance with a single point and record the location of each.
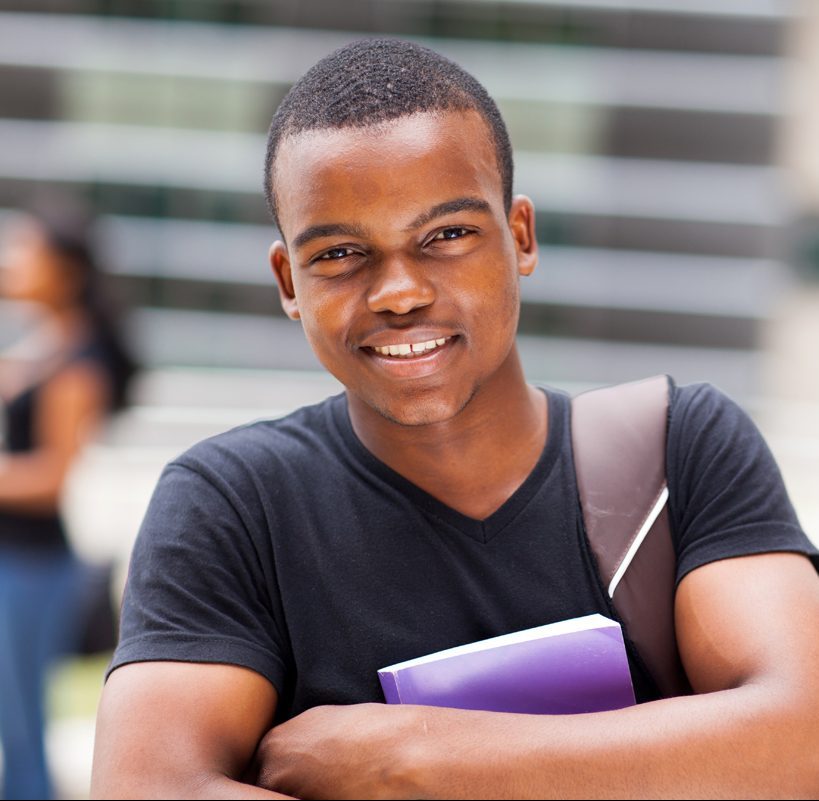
(480, 530)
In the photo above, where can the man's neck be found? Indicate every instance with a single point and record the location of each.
(474, 461)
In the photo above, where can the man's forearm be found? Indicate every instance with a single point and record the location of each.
(183, 785)
(739, 742)
(752, 741)
(223, 787)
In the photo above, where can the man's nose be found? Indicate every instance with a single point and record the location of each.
(401, 286)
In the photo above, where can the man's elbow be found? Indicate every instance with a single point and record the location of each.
(139, 770)
(120, 782)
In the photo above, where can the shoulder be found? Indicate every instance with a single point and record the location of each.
(243, 480)
(727, 496)
(79, 388)
(699, 402)
(284, 446)
(83, 374)
(711, 436)
(703, 422)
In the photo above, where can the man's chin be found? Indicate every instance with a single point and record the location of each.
(421, 411)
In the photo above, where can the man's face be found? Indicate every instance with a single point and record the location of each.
(401, 262)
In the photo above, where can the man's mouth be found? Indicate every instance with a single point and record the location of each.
(409, 350)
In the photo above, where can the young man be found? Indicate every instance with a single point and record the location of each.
(433, 504)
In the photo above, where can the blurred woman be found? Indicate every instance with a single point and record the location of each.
(57, 387)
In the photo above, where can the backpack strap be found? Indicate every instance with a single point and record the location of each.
(619, 444)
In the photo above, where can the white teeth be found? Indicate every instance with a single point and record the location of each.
(405, 349)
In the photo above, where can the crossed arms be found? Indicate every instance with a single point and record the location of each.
(748, 632)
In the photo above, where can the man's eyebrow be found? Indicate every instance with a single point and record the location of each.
(349, 229)
(331, 229)
(449, 207)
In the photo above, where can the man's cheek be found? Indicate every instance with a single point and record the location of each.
(323, 326)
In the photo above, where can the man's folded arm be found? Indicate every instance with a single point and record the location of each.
(748, 630)
(180, 730)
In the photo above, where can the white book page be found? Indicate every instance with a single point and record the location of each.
(549, 630)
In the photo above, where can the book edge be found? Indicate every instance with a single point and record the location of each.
(556, 629)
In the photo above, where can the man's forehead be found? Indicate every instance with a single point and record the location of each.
(422, 130)
(342, 160)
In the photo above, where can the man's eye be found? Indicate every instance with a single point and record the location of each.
(450, 233)
(335, 253)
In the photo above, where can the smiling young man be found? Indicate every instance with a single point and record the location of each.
(433, 504)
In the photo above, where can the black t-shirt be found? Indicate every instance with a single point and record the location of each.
(286, 547)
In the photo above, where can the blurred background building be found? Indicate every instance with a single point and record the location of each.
(670, 147)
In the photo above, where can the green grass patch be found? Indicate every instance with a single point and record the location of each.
(75, 686)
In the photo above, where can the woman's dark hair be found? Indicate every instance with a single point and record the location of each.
(69, 232)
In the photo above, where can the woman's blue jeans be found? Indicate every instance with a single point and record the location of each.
(37, 624)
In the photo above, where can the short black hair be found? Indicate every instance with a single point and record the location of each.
(375, 80)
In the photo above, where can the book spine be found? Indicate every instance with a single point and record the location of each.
(389, 684)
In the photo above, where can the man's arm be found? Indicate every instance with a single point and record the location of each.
(748, 630)
(180, 730)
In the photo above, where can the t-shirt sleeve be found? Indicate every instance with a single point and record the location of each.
(727, 494)
(198, 587)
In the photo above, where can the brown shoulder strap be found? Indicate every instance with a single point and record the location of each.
(619, 443)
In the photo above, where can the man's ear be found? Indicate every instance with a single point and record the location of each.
(280, 262)
(522, 225)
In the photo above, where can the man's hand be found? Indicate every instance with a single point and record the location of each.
(340, 752)
(381, 751)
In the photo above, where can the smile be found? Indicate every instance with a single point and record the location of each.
(406, 350)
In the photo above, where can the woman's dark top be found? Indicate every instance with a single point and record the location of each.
(33, 531)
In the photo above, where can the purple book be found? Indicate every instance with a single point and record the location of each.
(576, 665)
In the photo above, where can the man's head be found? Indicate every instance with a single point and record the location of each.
(374, 81)
(391, 184)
